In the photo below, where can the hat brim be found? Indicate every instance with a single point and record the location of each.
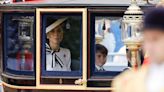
(55, 24)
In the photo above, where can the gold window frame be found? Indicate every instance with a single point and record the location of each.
(82, 84)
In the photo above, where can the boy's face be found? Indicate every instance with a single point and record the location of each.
(100, 59)
(154, 44)
(55, 36)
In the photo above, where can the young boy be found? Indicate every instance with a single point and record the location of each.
(101, 56)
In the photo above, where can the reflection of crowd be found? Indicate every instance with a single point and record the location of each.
(19, 52)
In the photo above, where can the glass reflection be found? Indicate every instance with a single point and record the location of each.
(110, 51)
(19, 32)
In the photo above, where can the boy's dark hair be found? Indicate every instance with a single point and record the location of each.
(102, 49)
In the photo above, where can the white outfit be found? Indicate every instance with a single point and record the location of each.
(155, 78)
(58, 60)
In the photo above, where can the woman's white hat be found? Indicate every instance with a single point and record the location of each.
(55, 24)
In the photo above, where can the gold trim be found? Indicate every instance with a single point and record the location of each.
(61, 10)
(18, 87)
(58, 87)
(84, 47)
(38, 48)
(84, 42)
(12, 76)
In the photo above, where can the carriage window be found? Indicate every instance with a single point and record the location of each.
(19, 42)
(61, 38)
(62, 44)
(110, 51)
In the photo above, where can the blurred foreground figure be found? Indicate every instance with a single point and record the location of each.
(150, 78)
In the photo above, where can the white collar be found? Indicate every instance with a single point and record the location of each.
(48, 48)
(99, 67)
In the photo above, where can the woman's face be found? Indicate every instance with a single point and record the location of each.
(55, 36)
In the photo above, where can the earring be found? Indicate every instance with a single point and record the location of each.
(68, 26)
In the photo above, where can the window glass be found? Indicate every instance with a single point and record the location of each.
(110, 51)
(19, 42)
